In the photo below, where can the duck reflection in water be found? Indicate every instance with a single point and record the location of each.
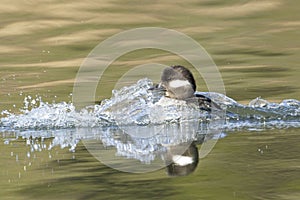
(182, 164)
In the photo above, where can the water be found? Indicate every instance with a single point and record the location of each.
(140, 124)
(144, 107)
(150, 137)
(49, 137)
(43, 147)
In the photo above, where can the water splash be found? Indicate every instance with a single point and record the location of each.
(130, 105)
(135, 106)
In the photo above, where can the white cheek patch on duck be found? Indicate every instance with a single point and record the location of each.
(179, 83)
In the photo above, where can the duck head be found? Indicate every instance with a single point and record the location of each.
(178, 82)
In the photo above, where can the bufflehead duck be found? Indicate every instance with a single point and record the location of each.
(179, 83)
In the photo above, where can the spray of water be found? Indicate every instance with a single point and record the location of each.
(67, 126)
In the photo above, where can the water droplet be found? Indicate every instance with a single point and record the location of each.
(36, 146)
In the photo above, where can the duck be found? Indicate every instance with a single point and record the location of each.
(178, 82)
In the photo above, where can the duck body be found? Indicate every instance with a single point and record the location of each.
(178, 83)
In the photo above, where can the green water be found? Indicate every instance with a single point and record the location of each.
(255, 45)
(243, 165)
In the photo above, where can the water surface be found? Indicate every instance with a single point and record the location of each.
(255, 44)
